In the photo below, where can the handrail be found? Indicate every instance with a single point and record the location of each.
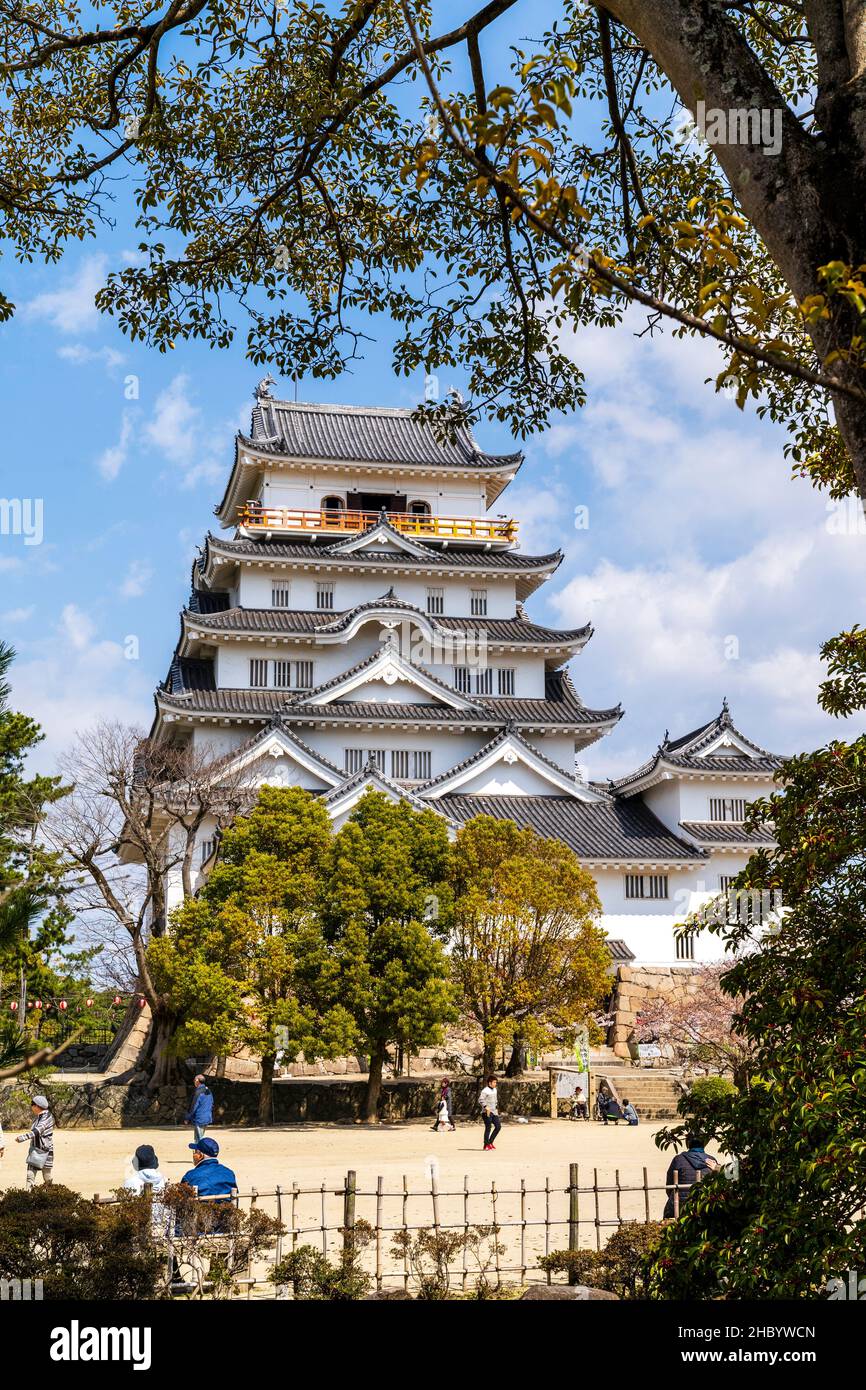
(255, 516)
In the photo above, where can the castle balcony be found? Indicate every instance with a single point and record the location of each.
(257, 519)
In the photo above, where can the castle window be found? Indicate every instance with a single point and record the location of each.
(419, 508)
(281, 594)
(478, 603)
(325, 597)
(646, 885)
(258, 674)
(685, 946)
(727, 808)
(207, 849)
(353, 759)
(293, 675)
(435, 600)
(462, 679)
(484, 682)
(506, 680)
(422, 765)
(333, 504)
(400, 760)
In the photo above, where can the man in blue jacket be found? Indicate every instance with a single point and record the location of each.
(207, 1176)
(200, 1113)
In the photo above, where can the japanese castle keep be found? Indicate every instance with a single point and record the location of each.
(358, 620)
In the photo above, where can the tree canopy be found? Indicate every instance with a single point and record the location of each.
(792, 1220)
(298, 169)
(527, 951)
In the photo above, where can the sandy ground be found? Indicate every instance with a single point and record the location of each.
(317, 1157)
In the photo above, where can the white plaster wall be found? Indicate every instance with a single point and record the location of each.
(446, 748)
(353, 589)
(283, 488)
(680, 799)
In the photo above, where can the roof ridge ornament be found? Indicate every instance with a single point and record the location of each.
(263, 391)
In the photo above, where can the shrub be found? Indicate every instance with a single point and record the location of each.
(78, 1249)
(312, 1276)
(620, 1268)
(430, 1255)
(706, 1090)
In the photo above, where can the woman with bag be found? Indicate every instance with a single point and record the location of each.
(40, 1155)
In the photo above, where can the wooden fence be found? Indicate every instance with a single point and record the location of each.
(529, 1221)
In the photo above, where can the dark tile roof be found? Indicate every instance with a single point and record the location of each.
(455, 556)
(561, 705)
(289, 621)
(614, 829)
(619, 951)
(366, 434)
(687, 754)
(711, 833)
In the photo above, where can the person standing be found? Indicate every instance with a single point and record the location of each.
(445, 1105)
(489, 1102)
(200, 1113)
(40, 1155)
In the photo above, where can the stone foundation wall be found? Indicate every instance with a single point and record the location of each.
(115, 1105)
(636, 986)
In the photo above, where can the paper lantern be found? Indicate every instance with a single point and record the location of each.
(89, 1003)
(116, 999)
(142, 1002)
(38, 1004)
(13, 1006)
(63, 1004)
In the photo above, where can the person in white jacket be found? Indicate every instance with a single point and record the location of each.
(489, 1102)
(146, 1177)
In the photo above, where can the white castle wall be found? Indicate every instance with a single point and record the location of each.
(353, 589)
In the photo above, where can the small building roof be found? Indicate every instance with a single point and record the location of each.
(716, 748)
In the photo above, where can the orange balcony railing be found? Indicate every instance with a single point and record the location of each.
(255, 517)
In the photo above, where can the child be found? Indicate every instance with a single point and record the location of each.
(442, 1115)
(629, 1113)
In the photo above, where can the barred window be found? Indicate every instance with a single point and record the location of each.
(207, 849)
(435, 600)
(646, 885)
(281, 594)
(484, 682)
(258, 674)
(685, 946)
(423, 760)
(293, 675)
(400, 763)
(303, 675)
(283, 675)
(325, 596)
(727, 808)
(462, 679)
(478, 603)
(353, 759)
(506, 680)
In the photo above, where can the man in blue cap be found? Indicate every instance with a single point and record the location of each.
(209, 1177)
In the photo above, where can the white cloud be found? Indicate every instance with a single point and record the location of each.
(138, 577)
(72, 678)
(112, 459)
(17, 615)
(71, 309)
(77, 627)
(179, 431)
(81, 356)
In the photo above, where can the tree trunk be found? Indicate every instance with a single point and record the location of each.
(517, 1060)
(370, 1112)
(166, 1070)
(488, 1060)
(266, 1090)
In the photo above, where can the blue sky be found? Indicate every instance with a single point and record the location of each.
(706, 571)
